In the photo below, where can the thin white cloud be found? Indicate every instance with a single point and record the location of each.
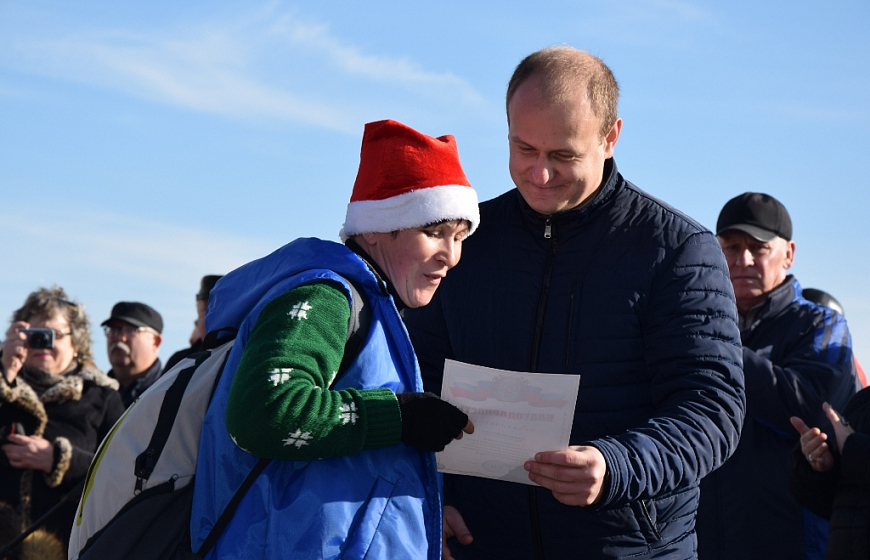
(802, 112)
(100, 259)
(59, 244)
(400, 71)
(217, 67)
(16, 92)
(678, 24)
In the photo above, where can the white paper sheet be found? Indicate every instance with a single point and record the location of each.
(515, 415)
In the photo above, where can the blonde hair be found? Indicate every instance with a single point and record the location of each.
(45, 304)
(561, 70)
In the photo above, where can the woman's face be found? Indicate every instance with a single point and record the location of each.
(415, 260)
(58, 359)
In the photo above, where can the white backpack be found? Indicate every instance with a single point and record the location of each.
(132, 503)
(137, 497)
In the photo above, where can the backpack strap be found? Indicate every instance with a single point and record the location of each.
(147, 460)
(217, 338)
(230, 510)
(357, 330)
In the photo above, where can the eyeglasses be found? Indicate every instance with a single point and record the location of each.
(126, 330)
(58, 335)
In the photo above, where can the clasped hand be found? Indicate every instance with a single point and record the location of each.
(814, 445)
(29, 452)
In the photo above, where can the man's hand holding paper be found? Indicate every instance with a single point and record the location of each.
(575, 475)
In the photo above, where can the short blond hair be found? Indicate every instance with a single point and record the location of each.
(561, 71)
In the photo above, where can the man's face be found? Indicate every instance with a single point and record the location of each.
(199, 331)
(756, 267)
(556, 151)
(132, 350)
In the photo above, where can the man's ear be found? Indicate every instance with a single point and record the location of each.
(790, 248)
(611, 138)
(158, 340)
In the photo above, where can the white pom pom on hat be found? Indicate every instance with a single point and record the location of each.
(406, 180)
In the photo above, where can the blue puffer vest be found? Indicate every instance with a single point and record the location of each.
(379, 503)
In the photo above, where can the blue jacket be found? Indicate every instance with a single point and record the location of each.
(796, 356)
(383, 502)
(632, 296)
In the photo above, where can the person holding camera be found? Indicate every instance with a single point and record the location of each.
(55, 407)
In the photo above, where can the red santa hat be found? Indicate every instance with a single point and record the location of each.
(407, 180)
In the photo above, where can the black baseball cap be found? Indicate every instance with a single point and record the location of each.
(205, 286)
(137, 314)
(758, 214)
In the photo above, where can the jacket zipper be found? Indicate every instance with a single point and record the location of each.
(537, 541)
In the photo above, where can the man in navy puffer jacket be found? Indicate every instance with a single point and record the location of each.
(579, 272)
(796, 356)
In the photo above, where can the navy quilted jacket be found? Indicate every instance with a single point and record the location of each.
(634, 297)
(796, 356)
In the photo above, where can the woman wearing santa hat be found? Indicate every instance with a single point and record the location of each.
(340, 407)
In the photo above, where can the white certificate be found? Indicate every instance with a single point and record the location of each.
(515, 415)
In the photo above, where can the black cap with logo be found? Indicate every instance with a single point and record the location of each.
(137, 314)
(760, 215)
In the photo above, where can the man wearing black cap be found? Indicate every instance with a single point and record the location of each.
(796, 356)
(199, 330)
(133, 337)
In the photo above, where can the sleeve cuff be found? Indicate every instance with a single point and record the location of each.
(62, 458)
(383, 419)
(855, 459)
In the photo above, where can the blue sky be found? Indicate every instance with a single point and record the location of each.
(144, 146)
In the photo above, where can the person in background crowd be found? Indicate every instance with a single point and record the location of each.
(133, 337)
(351, 433)
(833, 480)
(55, 408)
(199, 330)
(796, 356)
(824, 298)
(579, 272)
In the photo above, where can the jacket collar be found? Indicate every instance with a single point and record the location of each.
(611, 184)
(777, 300)
(385, 282)
(132, 391)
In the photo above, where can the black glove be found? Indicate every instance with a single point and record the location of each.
(428, 423)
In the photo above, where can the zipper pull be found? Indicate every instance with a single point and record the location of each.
(548, 231)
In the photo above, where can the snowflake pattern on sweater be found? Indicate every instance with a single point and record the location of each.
(280, 403)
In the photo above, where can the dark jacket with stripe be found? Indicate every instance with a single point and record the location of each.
(632, 296)
(796, 356)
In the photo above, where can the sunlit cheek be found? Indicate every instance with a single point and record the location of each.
(520, 161)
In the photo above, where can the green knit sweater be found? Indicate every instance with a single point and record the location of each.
(280, 402)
